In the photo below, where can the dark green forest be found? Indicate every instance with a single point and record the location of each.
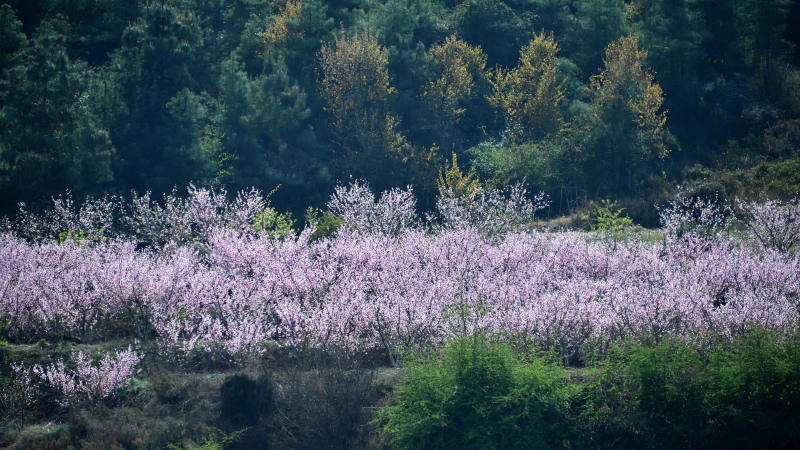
(583, 99)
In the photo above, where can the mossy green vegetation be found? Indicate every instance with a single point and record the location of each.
(740, 393)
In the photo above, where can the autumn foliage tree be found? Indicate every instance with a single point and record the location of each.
(626, 123)
(456, 66)
(277, 32)
(355, 84)
(452, 181)
(530, 95)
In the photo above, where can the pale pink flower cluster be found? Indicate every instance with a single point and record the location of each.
(688, 216)
(399, 285)
(773, 223)
(175, 219)
(190, 219)
(94, 218)
(489, 211)
(393, 213)
(17, 396)
(89, 381)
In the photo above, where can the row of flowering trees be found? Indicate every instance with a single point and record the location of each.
(205, 274)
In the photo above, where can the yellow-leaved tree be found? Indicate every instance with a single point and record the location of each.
(355, 84)
(455, 66)
(274, 37)
(530, 94)
(452, 181)
(626, 122)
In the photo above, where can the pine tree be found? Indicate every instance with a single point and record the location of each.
(51, 137)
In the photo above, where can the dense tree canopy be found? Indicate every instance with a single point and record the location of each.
(611, 98)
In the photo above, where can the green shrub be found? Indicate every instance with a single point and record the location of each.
(645, 397)
(326, 225)
(212, 443)
(608, 219)
(752, 392)
(743, 393)
(278, 226)
(479, 395)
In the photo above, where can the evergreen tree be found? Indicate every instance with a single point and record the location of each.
(258, 113)
(160, 57)
(672, 33)
(494, 26)
(51, 137)
(306, 30)
(12, 39)
(766, 25)
(600, 22)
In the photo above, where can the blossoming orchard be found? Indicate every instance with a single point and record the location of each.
(204, 274)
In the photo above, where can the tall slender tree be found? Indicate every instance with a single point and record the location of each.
(456, 68)
(355, 83)
(530, 95)
(625, 132)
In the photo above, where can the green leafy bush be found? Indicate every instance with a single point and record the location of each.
(212, 443)
(277, 225)
(608, 219)
(752, 392)
(644, 396)
(743, 393)
(479, 395)
(326, 225)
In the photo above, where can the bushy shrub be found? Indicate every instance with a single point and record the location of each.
(479, 395)
(325, 225)
(644, 396)
(325, 405)
(752, 392)
(743, 393)
(608, 219)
